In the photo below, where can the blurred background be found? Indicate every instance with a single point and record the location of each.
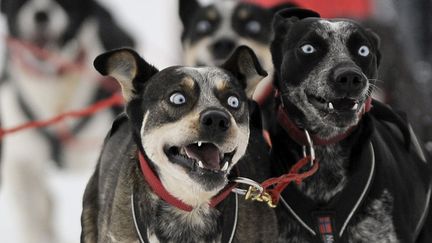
(405, 28)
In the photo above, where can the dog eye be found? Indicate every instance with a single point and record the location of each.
(177, 98)
(308, 49)
(363, 51)
(233, 102)
(253, 27)
(203, 26)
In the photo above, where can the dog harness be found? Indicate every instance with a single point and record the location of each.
(230, 221)
(383, 154)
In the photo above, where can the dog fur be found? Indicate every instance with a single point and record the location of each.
(154, 126)
(309, 53)
(212, 32)
(32, 176)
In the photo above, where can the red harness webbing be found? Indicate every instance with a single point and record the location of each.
(160, 190)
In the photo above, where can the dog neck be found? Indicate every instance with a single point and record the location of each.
(333, 156)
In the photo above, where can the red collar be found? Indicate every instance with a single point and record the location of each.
(160, 190)
(299, 136)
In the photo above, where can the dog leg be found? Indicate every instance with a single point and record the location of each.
(90, 210)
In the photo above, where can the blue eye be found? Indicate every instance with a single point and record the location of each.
(233, 102)
(308, 49)
(177, 98)
(253, 27)
(363, 51)
(203, 26)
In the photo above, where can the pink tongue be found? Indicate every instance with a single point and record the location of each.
(207, 153)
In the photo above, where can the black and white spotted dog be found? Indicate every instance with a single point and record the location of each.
(51, 45)
(212, 32)
(374, 183)
(191, 127)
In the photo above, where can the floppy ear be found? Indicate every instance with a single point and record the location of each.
(186, 10)
(128, 68)
(245, 66)
(375, 40)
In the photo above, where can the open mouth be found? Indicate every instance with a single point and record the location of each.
(335, 105)
(201, 157)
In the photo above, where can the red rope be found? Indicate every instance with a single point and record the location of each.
(115, 99)
(279, 184)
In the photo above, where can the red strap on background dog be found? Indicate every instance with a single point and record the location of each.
(160, 190)
(299, 136)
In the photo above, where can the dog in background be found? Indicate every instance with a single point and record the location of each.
(212, 32)
(51, 45)
(189, 126)
(374, 182)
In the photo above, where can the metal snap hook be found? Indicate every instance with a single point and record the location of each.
(311, 148)
(249, 182)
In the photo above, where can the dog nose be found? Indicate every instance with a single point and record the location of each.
(215, 120)
(222, 48)
(41, 17)
(349, 79)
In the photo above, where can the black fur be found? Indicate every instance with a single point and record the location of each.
(397, 198)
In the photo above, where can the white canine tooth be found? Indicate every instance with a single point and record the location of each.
(225, 167)
(200, 164)
(330, 106)
(199, 144)
(355, 106)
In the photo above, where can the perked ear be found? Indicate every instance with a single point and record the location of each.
(244, 65)
(186, 10)
(291, 15)
(127, 67)
(375, 39)
(282, 6)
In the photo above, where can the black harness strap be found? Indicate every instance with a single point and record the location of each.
(328, 222)
(53, 139)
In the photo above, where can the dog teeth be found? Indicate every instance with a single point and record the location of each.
(355, 106)
(225, 167)
(330, 106)
(200, 164)
(199, 144)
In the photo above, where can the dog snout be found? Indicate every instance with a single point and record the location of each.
(215, 121)
(348, 79)
(41, 17)
(222, 48)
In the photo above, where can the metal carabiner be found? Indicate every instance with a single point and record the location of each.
(311, 148)
(255, 191)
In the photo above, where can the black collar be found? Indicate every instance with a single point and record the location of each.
(330, 221)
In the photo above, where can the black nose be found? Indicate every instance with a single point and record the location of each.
(222, 48)
(215, 121)
(41, 17)
(349, 79)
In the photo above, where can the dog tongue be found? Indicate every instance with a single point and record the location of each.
(343, 104)
(207, 153)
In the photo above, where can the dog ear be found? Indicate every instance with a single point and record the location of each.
(245, 66)
(128, 68)
(186, 10)
(292, 14)
(375, 40)
(282, 6)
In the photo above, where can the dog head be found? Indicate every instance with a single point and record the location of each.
(325, 69)
(211, 33)
(46, 23)
(193, 123)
